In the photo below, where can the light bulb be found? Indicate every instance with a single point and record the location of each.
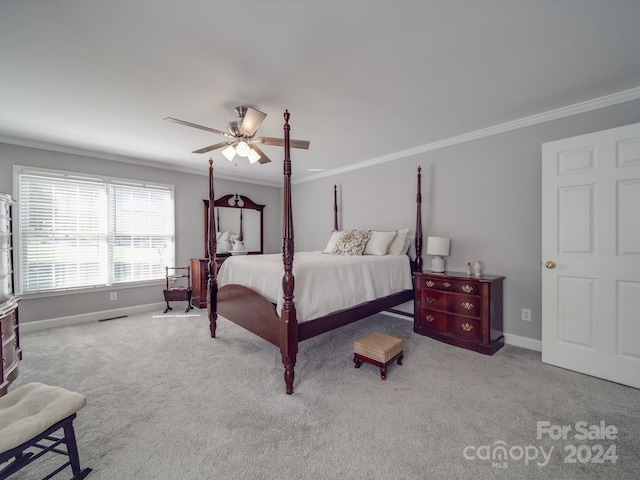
(229, 153)
(243, 149)
(253, 156)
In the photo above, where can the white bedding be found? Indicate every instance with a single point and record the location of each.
(323, 283)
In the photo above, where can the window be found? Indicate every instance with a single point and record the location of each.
(80, 231)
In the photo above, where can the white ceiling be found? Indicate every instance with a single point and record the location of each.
(363, 80)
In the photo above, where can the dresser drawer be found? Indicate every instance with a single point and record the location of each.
(465, 327)
(449, 285)
(464, 304)
(5, 260)
(433, 299)
(6, 287)
(9, 352)
(433, 319)
(8, 323)
(5, 224)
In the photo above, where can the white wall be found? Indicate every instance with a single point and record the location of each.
(189, 190)
(484, 194)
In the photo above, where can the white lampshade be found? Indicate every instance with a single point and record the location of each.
(438, 247)
(253, 156)
(243, 149)
(229, 153)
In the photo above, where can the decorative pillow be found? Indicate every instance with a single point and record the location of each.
(352, 242)
(398, 245)
(379, 242)
(335, 236)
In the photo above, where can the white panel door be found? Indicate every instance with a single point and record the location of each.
(591, 254)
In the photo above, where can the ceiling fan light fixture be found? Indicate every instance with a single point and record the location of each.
(229, 153)
(253, 156)
(243, 149)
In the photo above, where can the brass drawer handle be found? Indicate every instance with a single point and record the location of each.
(467, 327)
(466, 288)
(467, 305)
(446, 284)
(430, 283)
(430, 299)
(429, 318)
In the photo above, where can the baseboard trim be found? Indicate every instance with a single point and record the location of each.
(509, 338)
(398, 314)
(523, 342)
(88, 317)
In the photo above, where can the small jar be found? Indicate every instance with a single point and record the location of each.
(477, 269)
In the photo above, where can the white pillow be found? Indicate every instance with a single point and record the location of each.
(410, 247)
(335, 236)
(379, 242)
(397, 246)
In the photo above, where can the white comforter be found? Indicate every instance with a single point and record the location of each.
(323, 283)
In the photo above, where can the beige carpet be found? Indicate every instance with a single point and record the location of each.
(165, 401)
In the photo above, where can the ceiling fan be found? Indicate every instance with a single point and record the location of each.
(241, 133)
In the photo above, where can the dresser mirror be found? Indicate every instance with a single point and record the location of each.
(242, 218)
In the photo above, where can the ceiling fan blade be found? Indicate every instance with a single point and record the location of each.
(201, 127)
(279, 142)
(212, 147)
(263, 157)
(251, 121)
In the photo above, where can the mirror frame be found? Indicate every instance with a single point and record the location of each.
(233, 200)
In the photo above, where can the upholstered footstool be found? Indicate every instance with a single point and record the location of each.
(29, 417)
(378, 349)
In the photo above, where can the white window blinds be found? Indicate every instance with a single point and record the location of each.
(141, 227)
(84, 232)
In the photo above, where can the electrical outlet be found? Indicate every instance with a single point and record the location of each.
(113, 296)
(526, 315)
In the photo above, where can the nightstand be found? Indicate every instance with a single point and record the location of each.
(459, 309)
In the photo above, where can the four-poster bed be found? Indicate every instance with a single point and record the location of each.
(277, 321)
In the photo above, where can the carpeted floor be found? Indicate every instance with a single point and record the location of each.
(165, 401)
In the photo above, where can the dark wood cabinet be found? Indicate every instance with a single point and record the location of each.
(10, 350)
(459, 309)
(199, 278)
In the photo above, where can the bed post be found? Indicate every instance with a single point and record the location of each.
(335, 208)
(212, 301)
(419, 224)
(289, 325)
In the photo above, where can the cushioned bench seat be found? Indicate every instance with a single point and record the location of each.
(31, 414)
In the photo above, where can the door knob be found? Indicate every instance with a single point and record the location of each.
(550, 264)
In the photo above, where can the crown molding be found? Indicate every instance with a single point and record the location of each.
(582, 107)
(21, 142)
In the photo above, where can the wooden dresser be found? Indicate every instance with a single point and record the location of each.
(199, 278)
(10, 350)
(459, 309)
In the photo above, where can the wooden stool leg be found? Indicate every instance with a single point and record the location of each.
(383, 372)
(357, 362)
(400, 358)
(72, 452)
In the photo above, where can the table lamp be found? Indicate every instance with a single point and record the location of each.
(438, 247)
